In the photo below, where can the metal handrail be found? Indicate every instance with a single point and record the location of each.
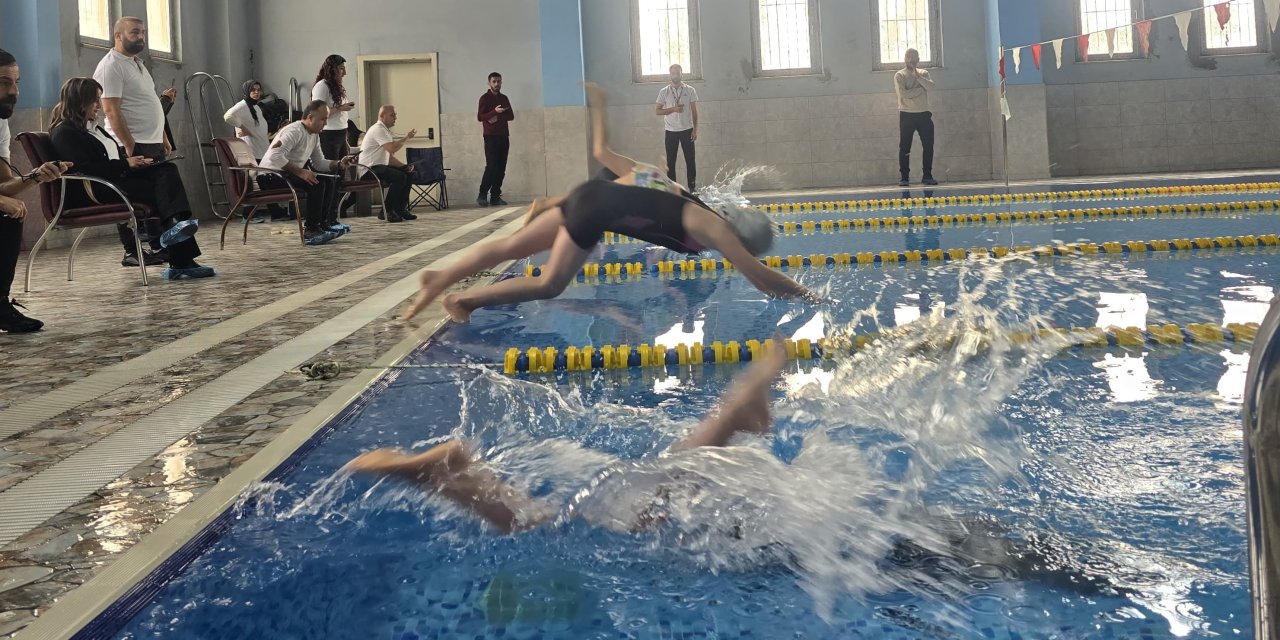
(248, 186)
(1262, 473)
(212, 168)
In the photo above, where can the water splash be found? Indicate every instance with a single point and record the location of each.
(726, 187)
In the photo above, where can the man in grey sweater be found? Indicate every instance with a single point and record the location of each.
(913, 85)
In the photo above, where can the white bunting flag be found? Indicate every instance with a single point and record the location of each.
(1111, 40)
(1273, 13)
(1017, 60)
(1184, 25)
(1057, 51)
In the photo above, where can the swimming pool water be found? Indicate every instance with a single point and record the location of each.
(1132, 467)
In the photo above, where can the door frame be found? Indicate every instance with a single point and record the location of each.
(369, 111)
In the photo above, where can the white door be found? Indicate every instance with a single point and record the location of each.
(411, 83)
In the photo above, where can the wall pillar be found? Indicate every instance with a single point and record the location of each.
(566, 126)
(1028, 136)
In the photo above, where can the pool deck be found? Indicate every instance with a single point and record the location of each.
(134, 403)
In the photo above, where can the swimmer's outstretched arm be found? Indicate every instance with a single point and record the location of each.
(597, 100)
(448, 469)
(714, 233)
(744, 407)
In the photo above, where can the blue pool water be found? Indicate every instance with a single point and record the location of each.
(1120, 468)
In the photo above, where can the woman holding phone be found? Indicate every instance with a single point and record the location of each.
(329, 88)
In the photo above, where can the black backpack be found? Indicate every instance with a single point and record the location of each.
(275, 110)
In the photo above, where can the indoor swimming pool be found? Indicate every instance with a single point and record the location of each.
(950, 479)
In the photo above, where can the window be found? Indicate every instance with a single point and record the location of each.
(663, 33)
(1242, 34)
(785, 36)
(906, 24)
(162, 20)
(95, 22)
(1096, 16)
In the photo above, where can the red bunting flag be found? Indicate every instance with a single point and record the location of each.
(1002, 76)
(1083, 43)
(1035, 54)
(1224, 13)
(1144, 37)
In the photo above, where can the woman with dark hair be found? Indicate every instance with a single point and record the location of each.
(77, 137)
(328, 87)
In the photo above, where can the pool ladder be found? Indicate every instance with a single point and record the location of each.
(1262, 473)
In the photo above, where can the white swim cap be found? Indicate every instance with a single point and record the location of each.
(754, 228)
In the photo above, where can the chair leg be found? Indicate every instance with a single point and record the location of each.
(222, 239)
(31, 257)
(71, 257)
(142, 258)
(248, 217)
(444, 194)
(298, 215)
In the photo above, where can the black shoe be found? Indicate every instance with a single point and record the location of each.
(904, 183)
(391, 216)
(482, 201)
(405, 215)
(930, 181)
(153, 259)
(12, 320)
(497, 201)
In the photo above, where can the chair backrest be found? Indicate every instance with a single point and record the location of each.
(234, 152)
(430, 164)
(39, 149)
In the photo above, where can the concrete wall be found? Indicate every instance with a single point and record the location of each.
(472, 38)
(838, 128)
(1177, 111)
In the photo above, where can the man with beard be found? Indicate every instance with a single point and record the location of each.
(13, 210)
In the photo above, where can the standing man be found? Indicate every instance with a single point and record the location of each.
(378, 153)
(135, 116)
(913, 85)
(13, 210)
(494, 112)
(678, 104)
(295, 147)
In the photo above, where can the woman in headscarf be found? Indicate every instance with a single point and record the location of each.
(250, 123)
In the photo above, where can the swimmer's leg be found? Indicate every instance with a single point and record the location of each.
(538, 235)
(448, 469)
(744, 407)
(562, 266)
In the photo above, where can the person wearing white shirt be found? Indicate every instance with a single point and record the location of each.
(913, 85)
(135, 116)
(250, 123)
(296, 146)
(678, 105)
(329, 89)
(378, 153)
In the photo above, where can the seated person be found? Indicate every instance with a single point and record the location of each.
(251, 125)
(77, 138)
(295, 146)
(378, 153)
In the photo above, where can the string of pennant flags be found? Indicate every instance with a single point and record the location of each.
(1222, 10)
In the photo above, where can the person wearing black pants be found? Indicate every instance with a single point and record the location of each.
(296, 153)
(678, 106)
(494, 112)
(320, 197)
(912, 85)
(677, 140)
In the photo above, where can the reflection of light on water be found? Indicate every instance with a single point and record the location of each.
(801, 379)
(1170, 602)
(813, 330)
(677, 335)
(1122, 310)
(1231, 385)
(1248, 303)
(669, 383)
(908, 311)
(1128, 377)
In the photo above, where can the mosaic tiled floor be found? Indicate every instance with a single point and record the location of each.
(105, 317)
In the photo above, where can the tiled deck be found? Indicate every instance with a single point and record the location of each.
(121, 357)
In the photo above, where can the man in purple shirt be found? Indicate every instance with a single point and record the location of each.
(494, 113)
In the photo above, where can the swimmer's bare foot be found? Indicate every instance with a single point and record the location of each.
(456, 309)
(430, 288)
(450, 457)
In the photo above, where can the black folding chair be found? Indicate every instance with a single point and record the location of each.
(428, 179)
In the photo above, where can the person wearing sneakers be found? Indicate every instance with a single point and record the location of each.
(295, 146)
(913, 85)
(377, 152)
(77, 138)
(494, 112)
(12, 210)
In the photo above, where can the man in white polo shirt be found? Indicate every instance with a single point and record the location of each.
(378, 153)
(135, 116)
(294, 147)
(678, 104)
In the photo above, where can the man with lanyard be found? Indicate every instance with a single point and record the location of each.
(13, 210)
(678, 104)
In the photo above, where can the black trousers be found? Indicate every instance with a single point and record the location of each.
(333, 144)
(397, 184)
(10, 242)
(160, 188)
(677, 140)
(908, 125)
(321, 197)
(496, 149)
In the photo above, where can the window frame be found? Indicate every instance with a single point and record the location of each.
(175, 35)
(935, 39)
(1260, 23)
(815, 44)
(113, 14)
(1136, 54)
(694, 72)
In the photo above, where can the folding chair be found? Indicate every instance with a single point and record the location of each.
(428, 180)
(53, 203)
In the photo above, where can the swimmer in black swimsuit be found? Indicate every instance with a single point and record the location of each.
(448, 468)
(644, 205)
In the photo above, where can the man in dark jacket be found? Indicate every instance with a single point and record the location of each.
(494, 113)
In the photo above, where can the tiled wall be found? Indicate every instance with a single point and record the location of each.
(463, 143)
(1212, 123)
(828, 141)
